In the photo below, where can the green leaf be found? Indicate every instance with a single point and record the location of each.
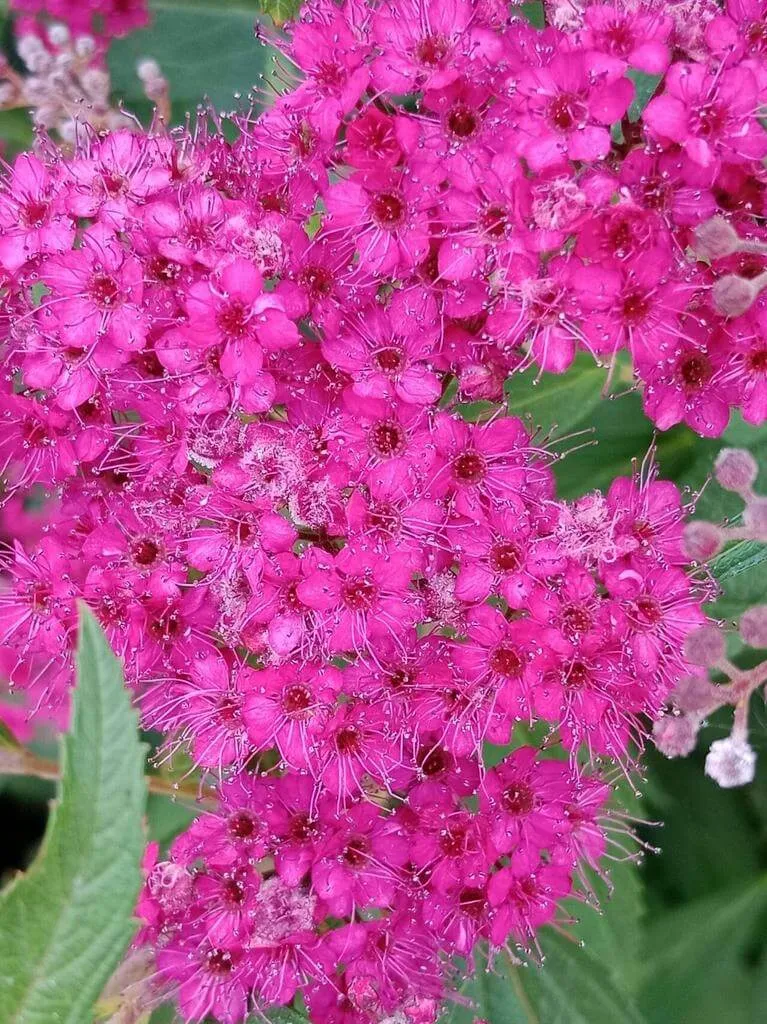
(281, 11)
(644, 89)
(205, 51)
(572, 987)
(65, 923)
(532, 11)
(167, 818)
(551, 400)
(709, 839)
(696, 965)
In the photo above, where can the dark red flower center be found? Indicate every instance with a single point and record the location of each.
(234, 891)
(576, 674)
(648, 610)
(518, 798)
(232, 319)
(387, 438)
(349, 739)
(431, 50)
(619, 38)
(505, 557)
(452, 840)
(505, 660)
(635, 307)
(145, 551)
(318, 281)
(105, 291)
(462, 121)
(387, 209)
(356, 851)
(296, 699)
(565, 111)
(575, 619)
(219, 961)
(756, 361)
(401, 677)
(241, 825)
(435, 761)
(359, 594)
(710, 120)
(35, 433)
(228, 712)
(469, 468)
(695, 370)
(494, 221)
(472, 903)
(33, 213)
(383, 519)
(301, 828)
(389, 359)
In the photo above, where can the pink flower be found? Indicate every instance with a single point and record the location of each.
(567, 113)
(288, 707)
(711, 116)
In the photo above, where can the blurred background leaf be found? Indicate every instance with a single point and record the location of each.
(207, 51)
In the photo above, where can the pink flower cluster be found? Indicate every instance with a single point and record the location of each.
(519, 204)
(233, 370)
(104, 19)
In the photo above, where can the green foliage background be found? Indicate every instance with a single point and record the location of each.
(684, 938)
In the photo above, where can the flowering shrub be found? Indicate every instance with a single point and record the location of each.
(237, 374)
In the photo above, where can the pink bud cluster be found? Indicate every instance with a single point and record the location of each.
(66, 83)
(730, 761)
(735, 470)
(233, 370)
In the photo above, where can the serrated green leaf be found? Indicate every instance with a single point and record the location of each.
(65, 923)
(572, 987)
(280, 11)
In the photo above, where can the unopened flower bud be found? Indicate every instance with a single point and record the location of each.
(716, 238)
(733, 295)
(675, 735)
(148, 69)
(735, 469)
(753, 626)
(58, 34)
(705, 646)
(702, 540)
(731, 762)
(755, 519)
(695, 694)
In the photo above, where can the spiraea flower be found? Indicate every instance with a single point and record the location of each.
(234, 372)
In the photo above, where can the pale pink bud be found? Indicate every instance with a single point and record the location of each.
(702, 540)
(753, 626)
(731, 762)
(735, 469)
(755, 518)
(675, 735)
(695, 694)
(705, 646)
(716, 238)
(733, 295)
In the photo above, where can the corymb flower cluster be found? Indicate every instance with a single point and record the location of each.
(234, 374)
